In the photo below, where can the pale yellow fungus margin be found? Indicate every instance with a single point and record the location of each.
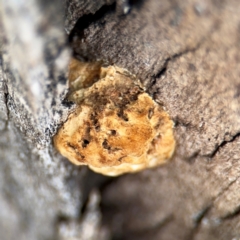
(116, 127)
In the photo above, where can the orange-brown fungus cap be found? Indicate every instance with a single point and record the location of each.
(116, 127)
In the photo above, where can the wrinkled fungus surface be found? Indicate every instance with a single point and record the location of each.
(116, 127)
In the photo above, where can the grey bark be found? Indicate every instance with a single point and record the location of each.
(187, 55)
(41, 193)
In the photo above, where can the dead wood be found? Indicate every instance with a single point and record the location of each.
(186, 53)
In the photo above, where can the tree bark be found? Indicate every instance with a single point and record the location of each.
(186, 53)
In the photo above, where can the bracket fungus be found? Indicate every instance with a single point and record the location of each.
(116, 127)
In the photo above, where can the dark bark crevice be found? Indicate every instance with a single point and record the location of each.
(198, 222)
(220, 146)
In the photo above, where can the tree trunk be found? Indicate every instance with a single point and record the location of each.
(187, 54)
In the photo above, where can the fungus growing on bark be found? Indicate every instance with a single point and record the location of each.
(116, 127)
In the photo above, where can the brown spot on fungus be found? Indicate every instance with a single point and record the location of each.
(116, 127)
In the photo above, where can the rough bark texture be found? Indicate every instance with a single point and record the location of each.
(187, 54)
